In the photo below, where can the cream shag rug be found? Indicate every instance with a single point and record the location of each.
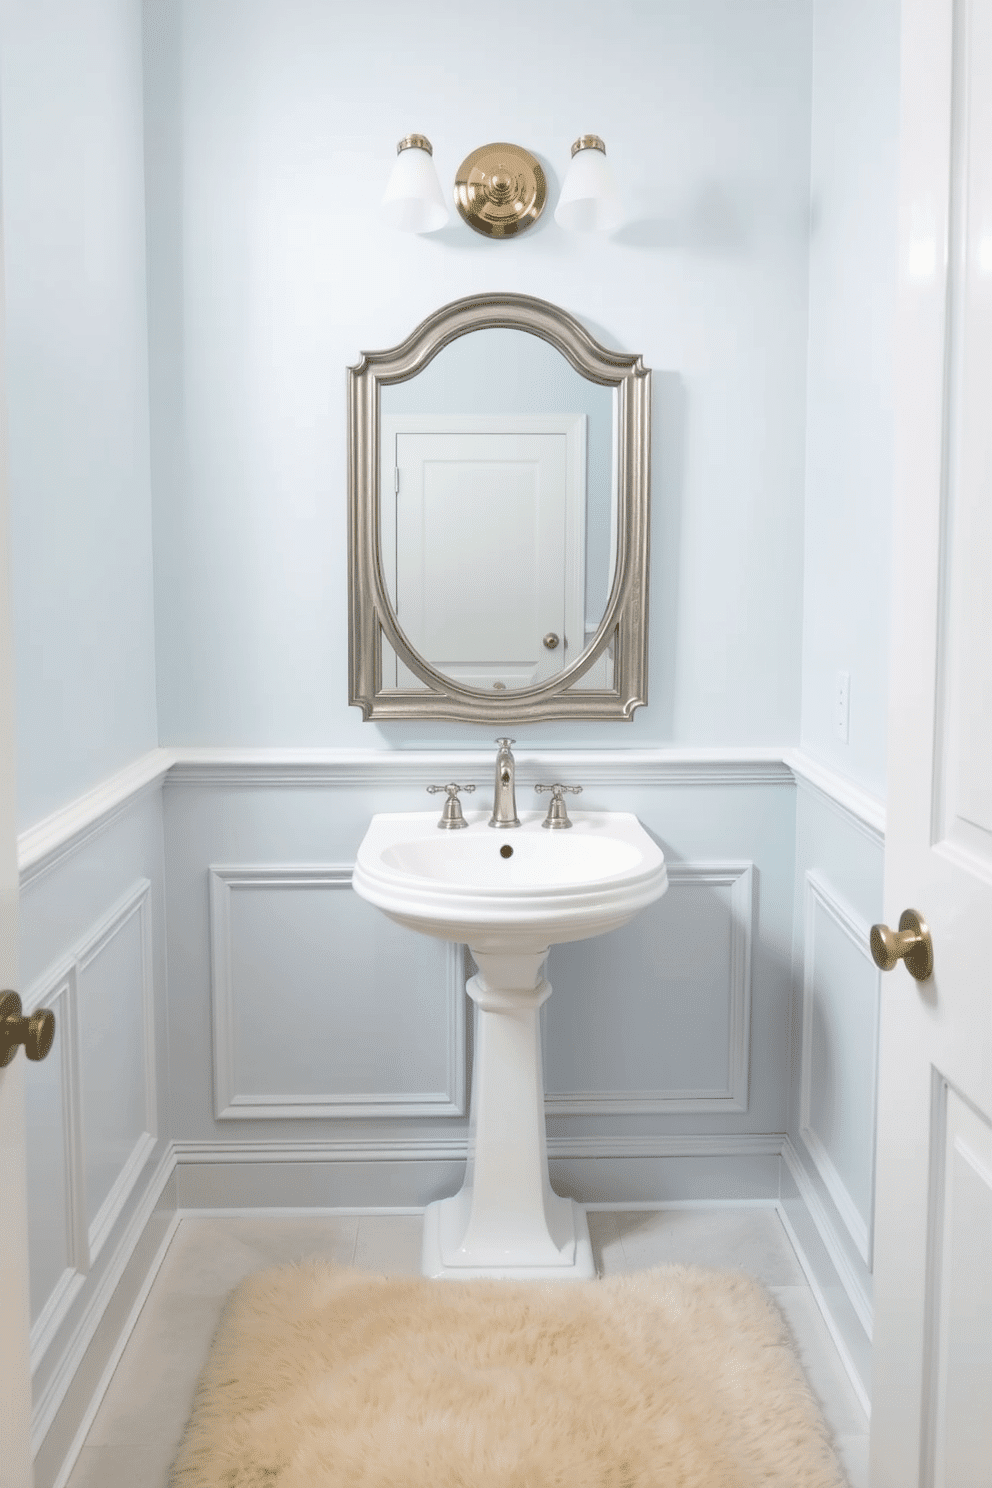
(326, 1377)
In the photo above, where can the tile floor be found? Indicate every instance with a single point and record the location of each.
(140, 1423)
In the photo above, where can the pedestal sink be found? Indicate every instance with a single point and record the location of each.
(509, 896)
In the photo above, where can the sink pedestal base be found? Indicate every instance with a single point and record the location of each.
(506, 1220)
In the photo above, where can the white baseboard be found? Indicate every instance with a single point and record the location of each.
(103, 1384)
(52, 1396)
(699, 1156)
(839, 1341)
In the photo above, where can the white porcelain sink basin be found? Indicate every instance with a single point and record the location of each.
(502, 890)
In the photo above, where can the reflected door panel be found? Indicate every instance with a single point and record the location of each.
(485, 557)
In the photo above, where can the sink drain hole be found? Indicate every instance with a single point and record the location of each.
(506, 851)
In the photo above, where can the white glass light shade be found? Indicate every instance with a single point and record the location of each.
(589, 200)
(412, 200)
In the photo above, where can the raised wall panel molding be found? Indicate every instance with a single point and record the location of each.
(860, 809)
(819, 896)
(135, 903)
(230, 1103)
(57, 990)
(853, 1286)
(733, 1097)
(44, 846)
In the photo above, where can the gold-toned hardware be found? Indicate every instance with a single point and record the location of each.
(500, 190)
(551, 640)
(588, 142)
(35, 1032)
(557, 817)
(415, 142)
(451, 816)
(910, 943)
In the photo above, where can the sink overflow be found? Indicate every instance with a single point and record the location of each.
(506, 851)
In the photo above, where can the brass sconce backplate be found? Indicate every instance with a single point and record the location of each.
(500, 190)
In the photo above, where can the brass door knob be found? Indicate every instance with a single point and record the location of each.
(35, 1032)
(910, 943)
(551, 640)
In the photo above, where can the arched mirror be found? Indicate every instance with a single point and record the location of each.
(498, 563)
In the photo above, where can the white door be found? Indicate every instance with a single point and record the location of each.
(15, 1376)
(486, 568)
(932, 1385)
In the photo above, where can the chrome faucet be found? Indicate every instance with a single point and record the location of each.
(504, 800)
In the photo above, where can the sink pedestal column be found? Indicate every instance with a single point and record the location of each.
(507, 1220)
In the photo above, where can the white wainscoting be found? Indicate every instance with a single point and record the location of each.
(669, 993)
(839, 1058)
(316, 995)
(59, 1241)
(92, 1111)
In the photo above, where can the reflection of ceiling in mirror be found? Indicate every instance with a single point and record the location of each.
(504, 372)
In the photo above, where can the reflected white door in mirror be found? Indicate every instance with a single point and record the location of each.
(483, 544)
(509, 896)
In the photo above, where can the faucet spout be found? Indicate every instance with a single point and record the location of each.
(504, 798)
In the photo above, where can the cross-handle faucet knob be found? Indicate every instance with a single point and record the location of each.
(557, 817)
(451, 816)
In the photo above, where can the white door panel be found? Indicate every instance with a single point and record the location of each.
(483, 544)
(960, 1300)
(15, 1375)
(933, 1266)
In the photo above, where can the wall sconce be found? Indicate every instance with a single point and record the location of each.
(412, 200)
(500, 190)
(589, 200)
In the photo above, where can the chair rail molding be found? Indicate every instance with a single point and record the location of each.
(858, 806)
(41, 847)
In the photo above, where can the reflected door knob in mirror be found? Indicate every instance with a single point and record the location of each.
(910, 943)
(35, 1032)
(551, 640)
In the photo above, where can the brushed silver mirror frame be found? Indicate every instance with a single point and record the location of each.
(370, 614)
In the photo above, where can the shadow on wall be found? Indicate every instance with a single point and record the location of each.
(711, 224)
(668, 421)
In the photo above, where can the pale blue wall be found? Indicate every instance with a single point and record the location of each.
(77, 389)
(271, 133)
(849, 413)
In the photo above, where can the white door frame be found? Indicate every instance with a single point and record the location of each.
(15, 1368)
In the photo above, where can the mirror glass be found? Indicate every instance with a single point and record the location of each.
(498, 512)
